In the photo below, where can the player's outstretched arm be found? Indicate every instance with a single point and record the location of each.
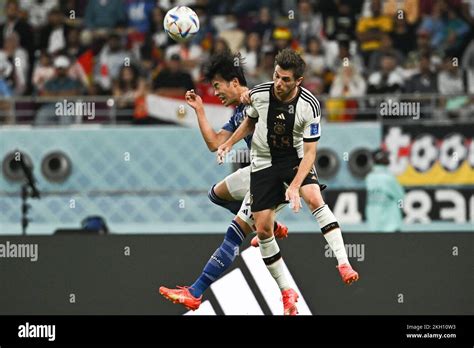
(212, 138)
(245, 128)
(293, 191)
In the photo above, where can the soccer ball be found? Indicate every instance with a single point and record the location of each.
(181, 23)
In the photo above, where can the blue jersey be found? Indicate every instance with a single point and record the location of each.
(235, 120)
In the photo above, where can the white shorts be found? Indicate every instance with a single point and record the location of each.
(238, 183)
(245, 213)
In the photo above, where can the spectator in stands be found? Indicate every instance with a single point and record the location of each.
(446, 28)
(307, 23)
(74, 47)
(73, 10)
(453, 84)
(18, 58)
(340, 18)
(266, 67)
(191, 56)
(173, 80)
(282, 38)
(111, 59)
(53, 36)
(156, 40)
(347, 83)
(252, 56)
(6, 114)
(344, 56)
(139, 18)
(37, 11)
(370, 30)
(423, 47)
(457, 30)
(220, 45)
(43, 72)
(129, 91)
(104, 14)
(14, 23)
(61, 86)
(424, 82)
(389, 79)
(314, 57)
(231, 33)
(139, 13)
(264, 26)
(402, 36)
(385, 47)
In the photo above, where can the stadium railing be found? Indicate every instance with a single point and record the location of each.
(112, 110)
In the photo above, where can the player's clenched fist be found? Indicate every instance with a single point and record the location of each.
(222, 151)
(193, 100)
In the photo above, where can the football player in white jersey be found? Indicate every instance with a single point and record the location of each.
(285, 120)
(228, 81)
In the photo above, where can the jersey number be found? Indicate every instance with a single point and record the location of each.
(280, 142)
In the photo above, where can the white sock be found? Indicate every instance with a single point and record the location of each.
(336, 243)
(272, 258)
(331, 232)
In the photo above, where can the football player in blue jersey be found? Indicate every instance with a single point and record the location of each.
(226, 74)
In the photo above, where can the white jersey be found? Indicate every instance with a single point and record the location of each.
(282, 127)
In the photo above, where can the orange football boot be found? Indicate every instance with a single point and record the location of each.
(181, 295)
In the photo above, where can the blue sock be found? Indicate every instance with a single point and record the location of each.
(232, 206)
(220, 260)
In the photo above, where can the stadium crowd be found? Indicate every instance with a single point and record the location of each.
(353, 48)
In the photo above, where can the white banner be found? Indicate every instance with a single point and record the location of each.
(177, 110)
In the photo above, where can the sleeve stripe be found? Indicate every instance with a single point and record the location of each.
(262, 87)
(309, 95)
(311, 99)
(310, 104)
(311, 140)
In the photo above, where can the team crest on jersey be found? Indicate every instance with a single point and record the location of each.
(279, 128)
(314, 128)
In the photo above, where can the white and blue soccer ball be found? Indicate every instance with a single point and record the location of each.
(181, 23)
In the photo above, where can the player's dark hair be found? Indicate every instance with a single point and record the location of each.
(288, 59)
(226, 64)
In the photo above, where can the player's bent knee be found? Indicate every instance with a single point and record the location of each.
(312, 196)
(314, 203)
(221, 191)
(262, 234)
(243, 225)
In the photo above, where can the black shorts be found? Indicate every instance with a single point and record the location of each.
(267, 186)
